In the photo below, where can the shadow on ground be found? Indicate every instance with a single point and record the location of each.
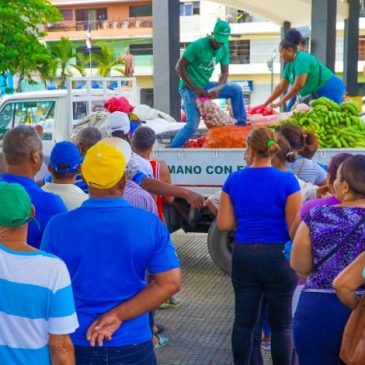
(200, 328)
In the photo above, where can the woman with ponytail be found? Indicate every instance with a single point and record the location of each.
(307, 75)
(300, 141)
(260, 203)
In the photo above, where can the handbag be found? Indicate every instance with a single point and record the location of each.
(353, 340)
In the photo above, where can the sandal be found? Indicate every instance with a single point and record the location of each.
(159, 341)
(158, 328)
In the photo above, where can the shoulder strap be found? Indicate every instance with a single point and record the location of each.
(331, 253)
(300, 169)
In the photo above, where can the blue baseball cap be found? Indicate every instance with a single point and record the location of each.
(65, 157)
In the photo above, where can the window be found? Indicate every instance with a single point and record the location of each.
(140, 10)
(239, 51)
(361, 48)
(93, 16)
(189, 8)
(28, 113)
(67, 14)
(141, 49)
(184, 45)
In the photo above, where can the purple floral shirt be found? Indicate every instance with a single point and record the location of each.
(328, 226)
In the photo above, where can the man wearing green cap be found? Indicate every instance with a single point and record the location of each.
(195, 68)
(37, 307)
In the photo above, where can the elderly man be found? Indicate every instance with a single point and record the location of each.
(108, 247)
(85, 139)
(37, 310)
(22, 150)
(64, 166)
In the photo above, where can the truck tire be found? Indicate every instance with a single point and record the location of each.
(220, 247)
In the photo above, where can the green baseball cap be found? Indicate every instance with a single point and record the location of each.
(15, 205)
(221, 31)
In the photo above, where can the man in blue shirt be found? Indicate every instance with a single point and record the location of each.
(22, 148)
(108, 247)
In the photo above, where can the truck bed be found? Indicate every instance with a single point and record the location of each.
(204, 170)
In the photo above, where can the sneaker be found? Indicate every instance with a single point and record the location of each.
(170, 303)
(266, 345)
(159, 341)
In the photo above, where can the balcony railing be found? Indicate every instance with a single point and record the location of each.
(67, 25)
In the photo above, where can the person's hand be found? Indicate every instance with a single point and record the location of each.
(103, 328)
(194, 199)
(200, 92)
(323, 191)
(276, 105)
(214, 94)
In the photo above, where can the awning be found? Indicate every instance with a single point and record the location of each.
(297, 12)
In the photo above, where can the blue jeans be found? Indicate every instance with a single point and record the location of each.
(334, 89)
(140, 354)
(318, 326)
(261, 271)
(230, 91)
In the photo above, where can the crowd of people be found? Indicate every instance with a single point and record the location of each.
(287, 255)
(86, 256)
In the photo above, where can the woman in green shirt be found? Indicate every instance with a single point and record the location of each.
(307, 75)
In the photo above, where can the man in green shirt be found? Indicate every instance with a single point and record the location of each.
(307, 75)
(195, 69)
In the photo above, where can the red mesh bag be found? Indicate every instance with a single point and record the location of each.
(211, 113)
(120, 104)
(229, 136)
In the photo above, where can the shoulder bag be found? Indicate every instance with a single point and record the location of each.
(353, 340)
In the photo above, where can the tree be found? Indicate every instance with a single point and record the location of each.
(47, 71)
(107, 60)
(63, 51)
(20, 31)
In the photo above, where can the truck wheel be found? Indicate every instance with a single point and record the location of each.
(220, 246)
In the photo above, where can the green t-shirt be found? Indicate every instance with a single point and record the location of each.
(363, 273)
(305, 63)
(202, 59)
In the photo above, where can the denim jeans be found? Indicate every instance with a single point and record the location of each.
(140, 354)
(258, 271)
(334, 89)
(318, 326)
(230, 91)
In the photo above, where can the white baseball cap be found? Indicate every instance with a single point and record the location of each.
(122, 145)
(118, 121)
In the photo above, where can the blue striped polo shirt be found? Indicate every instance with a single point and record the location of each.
(307, 170)
(36, 300)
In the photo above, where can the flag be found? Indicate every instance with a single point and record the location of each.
(88, 37)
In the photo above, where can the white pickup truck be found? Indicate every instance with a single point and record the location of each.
(201, 170)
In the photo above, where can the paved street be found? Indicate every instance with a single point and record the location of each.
(200, 329)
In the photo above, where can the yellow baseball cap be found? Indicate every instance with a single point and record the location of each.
(104, 165)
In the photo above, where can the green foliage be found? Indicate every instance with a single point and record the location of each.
(20, 31)
(63, 51)
(107, 60)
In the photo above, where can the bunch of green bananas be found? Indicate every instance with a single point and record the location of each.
(335, 125)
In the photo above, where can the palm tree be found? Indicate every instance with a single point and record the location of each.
(107, 60)
(48, 71)
(64, 53)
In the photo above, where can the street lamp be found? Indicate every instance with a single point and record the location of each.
(270, 65)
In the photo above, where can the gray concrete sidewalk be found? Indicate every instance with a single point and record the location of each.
(200, 328)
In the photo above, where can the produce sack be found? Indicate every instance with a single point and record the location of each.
(211, 114)
(227, 137)
(120, 104)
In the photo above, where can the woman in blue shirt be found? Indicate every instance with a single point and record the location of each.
(260, 203)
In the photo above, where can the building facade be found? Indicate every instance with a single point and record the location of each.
(128, 24)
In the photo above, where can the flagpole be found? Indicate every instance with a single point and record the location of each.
(90, 62)
(89, 46)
